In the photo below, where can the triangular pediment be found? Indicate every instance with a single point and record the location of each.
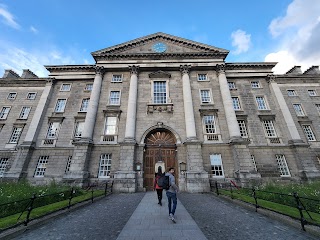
(145, 48)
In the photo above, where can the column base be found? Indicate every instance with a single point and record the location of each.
(125, 182)
(197, 182)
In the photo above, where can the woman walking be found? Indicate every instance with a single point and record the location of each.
(156, 186)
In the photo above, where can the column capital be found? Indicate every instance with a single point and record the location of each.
(270, 78)
(185, 69)
(220, 68)
(134, 69)
(99, 70)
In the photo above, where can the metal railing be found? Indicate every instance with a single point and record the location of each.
(305, 206)
(36, 201)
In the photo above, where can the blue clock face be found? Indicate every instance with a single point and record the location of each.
(159, 47)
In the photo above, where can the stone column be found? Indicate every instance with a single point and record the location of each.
(231, 118)
(79, 173)
(20, 164)
(132, 105)
(188, 104)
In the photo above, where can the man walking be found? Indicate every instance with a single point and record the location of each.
(172, 194)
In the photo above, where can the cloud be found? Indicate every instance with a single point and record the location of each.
(298, 35)
(33, 29)
(241, 40)
(7, 17)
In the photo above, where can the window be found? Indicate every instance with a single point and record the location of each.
(298, 109)
(66, 87)
(53, 130)
(61, 103)
(308, 132)
(4, 162)
(68, 164)
(312, 93)
(31, 96)
(254, 162)
(232, 85)
(159, 92)
(318, 107)
(282, 165)
(4, 112)
(78, 129)
(111, 126)
(12, 96)
(105, 166)
(116, 78)
(114, 98)
(269, 128)
(236, 103)
(255, 84)
(88, 87)
(291, 93)
(216, 165)
(243, 128)
(41, 166)
(209, 124)
(15, 135)
(262, 105)
(205, 96)
(202, 77)
(24, 112)
(84, 104)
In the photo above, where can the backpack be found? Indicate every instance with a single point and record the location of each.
(164, 182)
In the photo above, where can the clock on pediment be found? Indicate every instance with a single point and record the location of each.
(159, 47)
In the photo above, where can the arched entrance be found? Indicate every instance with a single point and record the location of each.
(160, 149)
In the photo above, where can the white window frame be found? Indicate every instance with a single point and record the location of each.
(105, 165)
(4, 163)
(202, 77)
(4, 112)
(261, 106)
(209, 127)
(68, 165)
(24, 113)
(166, 97)
(298, 109)
(312, 92)
(65, 87)
(232, 85)
(87, 88)
(113, 131)
(41, 166)
(12, 96)
(57, 108)
(114, 100)
(78, 129)
(208, 97)
(291, 92)
(84, 104)
(255, 84)
(308, 132)
(318, 107)
(216, 166)
(53, 130)
(31, 95)
(236, 103)
(15, 134)
(243, 128)
(117, 78)
(282, 165)
(269, 129)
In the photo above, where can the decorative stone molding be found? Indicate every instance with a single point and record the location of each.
(99, 70)
(185, 69)
(134, 69)
(160, 74)
(68, 68)
(271, 78)
(220, 68)
(160, 108)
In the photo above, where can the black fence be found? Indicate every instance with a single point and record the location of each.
(305, 207)
(35, 201)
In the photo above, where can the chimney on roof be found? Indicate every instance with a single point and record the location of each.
(28, 74)
(312, 70)
(8, 73)
(295, 70)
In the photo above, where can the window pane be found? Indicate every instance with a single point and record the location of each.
(209, 124)
(205, 96)
(111, 124)
(159, 92)
(61, 103)
(114, 98)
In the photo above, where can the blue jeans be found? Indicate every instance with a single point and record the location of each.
(172, 197)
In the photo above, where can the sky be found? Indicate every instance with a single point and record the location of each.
(34, 33)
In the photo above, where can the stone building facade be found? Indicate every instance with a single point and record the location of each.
(160, 100)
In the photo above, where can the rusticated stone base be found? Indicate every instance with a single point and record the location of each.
(197, 182)
(247, 178)
(125, 182)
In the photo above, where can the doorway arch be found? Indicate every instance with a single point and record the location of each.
(160, 149)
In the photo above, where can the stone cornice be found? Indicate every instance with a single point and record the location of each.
(253, 65)
(70, 68)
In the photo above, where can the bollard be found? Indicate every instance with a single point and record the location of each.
(255, 198)
(92, 194)
(30, 209)
(71, 196)
(231, 192)
(302, 219)
(217, 190)
(106, 189)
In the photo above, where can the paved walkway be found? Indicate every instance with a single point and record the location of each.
(150, 221)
